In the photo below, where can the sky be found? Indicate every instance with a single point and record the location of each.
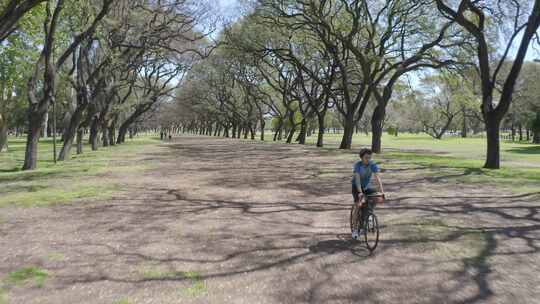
(225, 3)
(229, 7)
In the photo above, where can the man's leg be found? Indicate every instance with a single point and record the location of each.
(356, 211)
(366, 205)
(363, 213)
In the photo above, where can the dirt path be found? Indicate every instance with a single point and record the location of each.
(224, 221)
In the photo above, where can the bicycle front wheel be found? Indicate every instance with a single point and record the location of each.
(354, 218)
(371, 231)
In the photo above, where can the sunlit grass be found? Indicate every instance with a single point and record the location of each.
(519, 179)
(513, 154)
(48, 196)
(156, 273)
(452, 158)
(56, 257)
(26, 275)
(198, 286)
(3, 296)
(77, 178)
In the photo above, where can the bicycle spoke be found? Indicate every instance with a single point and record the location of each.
(371, 232)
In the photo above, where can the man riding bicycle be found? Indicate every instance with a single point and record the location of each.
(362, 185)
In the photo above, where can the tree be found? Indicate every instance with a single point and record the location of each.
(513, 18)
(41, 96)
(17, 53)
(373, 44)
(11, 12)
(445, 96)
(526, 102)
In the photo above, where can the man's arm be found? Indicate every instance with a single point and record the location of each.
(378, 179)
(358, 182)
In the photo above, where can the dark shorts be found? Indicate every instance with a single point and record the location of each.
(356, 194)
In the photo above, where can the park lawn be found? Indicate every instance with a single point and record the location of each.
(445, 168)
(80, 177)
(452, 158)
(472, 148)
(516, 154)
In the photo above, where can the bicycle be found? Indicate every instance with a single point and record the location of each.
(370, 224)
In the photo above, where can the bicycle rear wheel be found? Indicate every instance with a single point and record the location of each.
(371, 231)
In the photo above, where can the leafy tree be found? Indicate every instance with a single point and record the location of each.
(515, 21)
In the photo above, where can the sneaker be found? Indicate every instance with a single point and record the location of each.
(355, 234)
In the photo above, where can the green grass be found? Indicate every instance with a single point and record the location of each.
(56, 257)
(27, 275)
(122, 301)
(198, 286)
(68, 181)
(157, 274)
(3, 296)
(452, 158)
(513, 154)
(54, 195)
(518, 179)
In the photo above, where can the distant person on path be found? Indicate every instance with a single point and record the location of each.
(362, 183)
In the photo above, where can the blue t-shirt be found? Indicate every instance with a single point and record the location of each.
(365, 173)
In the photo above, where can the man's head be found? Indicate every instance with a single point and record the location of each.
(365, 155)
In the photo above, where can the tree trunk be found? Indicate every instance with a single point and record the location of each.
(3, 133)
(112, 135)
(105, 136)
(320, 136)
(263, 123)
(536, 137)
(291, 135)
(94, 132)
(277, 134)
(536, 129)
(35, 122)
(122, 133)
(45, 126)
(377, 121)
(513, 126)
(520, 132)
(234, 131)
(125, 127)
(493, 143)
(348, 130)
(303, 132)
(80, 141)
(70, 132)
(464, 125)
